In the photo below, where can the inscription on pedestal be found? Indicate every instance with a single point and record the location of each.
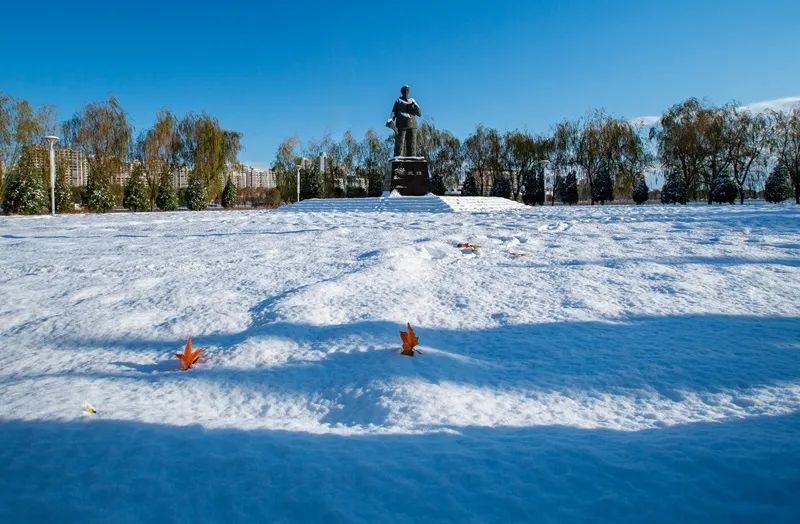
(409, 177)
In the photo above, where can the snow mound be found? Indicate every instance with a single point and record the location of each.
(394, 204)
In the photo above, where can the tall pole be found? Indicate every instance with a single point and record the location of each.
(52, 140)
(298, 183)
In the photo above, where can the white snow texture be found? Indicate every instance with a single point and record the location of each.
(610, 364)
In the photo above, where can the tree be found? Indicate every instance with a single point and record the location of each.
(470, 187)
(632, 156)
(747, 141)
(309, 183)
(437, 184)
(20, 126)
(101, 132)
(714, 138)
(135, 193)
(229, 194)
(497, 163)
(356, 192)
(680, 147)
(569, 190)
(24, 192)
(63, 189)
(603, 187)
(723, 190)
(444, 154)
(285, 163)
(373, 157)
(641, 193)
(562, 156)
(785, 146)
(166, 196)
(476, 151)
(501, 186)
(777, 188)
(520, 158)
(534, 188)
(590, 154)
(610, 148)
(340, 156)
(196, 196)
(206, 148)
(526, 158)
(673, 191)
(158, 150)
(99, 197)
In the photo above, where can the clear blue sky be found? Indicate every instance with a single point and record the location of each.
(271, 70)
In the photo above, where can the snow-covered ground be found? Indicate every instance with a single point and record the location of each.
(612, 363)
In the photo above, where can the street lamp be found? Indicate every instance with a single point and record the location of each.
(298, 182)
(52, 140)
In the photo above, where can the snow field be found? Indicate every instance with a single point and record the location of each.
(612, 362)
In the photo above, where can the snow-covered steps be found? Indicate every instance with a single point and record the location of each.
(461, 204)
(406, 204)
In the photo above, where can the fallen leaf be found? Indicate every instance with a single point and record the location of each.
(188, 358)
(517, 255)
(467, 245)
(410, 341)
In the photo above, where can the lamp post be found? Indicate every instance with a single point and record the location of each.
(52, 140)
(297, 172)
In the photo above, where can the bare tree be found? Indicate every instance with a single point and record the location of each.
(102, 133)
(562, 154)
(476, 155)
(747, 142)
(785, 146)
(284, 166)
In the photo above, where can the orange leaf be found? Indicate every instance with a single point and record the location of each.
(188, 358)
(410, 341)
(467, 245)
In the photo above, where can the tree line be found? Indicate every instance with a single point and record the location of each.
(102, 133)
(705, 152)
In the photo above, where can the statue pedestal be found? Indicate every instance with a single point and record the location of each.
(408, 175)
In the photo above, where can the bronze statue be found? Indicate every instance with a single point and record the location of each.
(404, 123)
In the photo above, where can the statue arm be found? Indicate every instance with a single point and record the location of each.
(415, 108)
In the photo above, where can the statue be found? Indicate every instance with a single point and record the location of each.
(404, 123)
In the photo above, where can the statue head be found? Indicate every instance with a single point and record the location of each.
(404, 90)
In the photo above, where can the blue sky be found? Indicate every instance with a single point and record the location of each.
(273, 69)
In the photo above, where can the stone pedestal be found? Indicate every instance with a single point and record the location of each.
(408, 176)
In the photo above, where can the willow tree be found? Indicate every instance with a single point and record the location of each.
(158, 149)
(20, 125)
(681, 148)
(205, 148)
(101, 132)
(443, 151)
